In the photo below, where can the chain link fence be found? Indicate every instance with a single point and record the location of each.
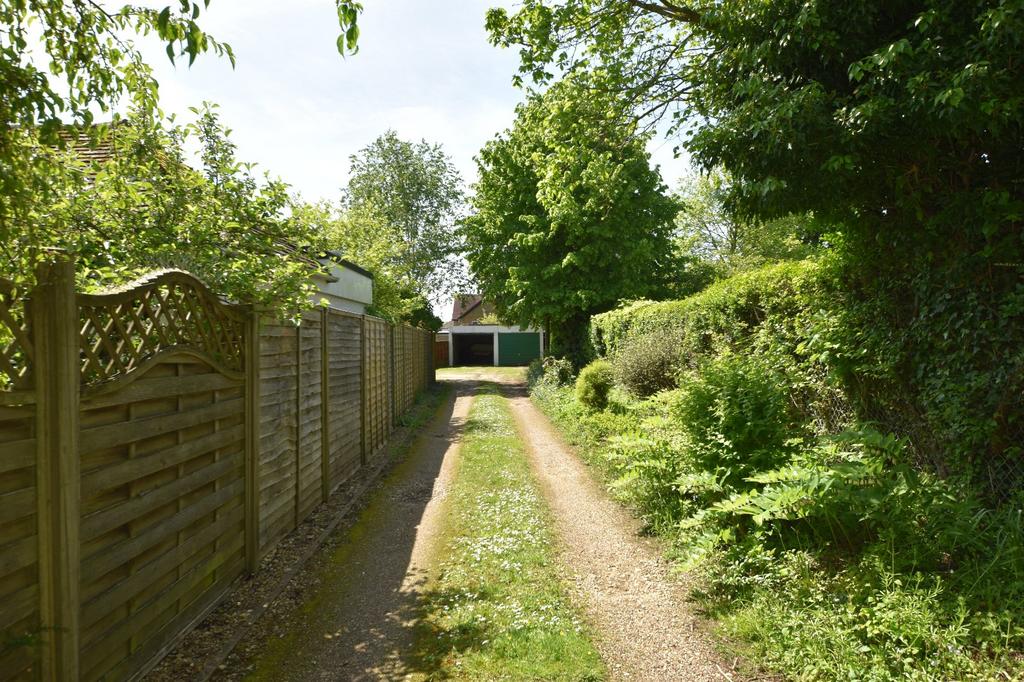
(999, 471)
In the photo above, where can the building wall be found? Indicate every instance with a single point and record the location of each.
(351, 291)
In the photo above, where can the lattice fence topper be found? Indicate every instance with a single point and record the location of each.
(15, 348)
(165, 312)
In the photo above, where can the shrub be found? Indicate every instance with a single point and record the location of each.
(535, 372)
(550, 372)
(558, 371)
(735, 415)
(725, 313)
(594, 383)
(648, 364)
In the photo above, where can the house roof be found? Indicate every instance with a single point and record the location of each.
(463, 304)
(339, 258)
(93, 149)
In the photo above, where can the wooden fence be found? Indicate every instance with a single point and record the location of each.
(155, 443)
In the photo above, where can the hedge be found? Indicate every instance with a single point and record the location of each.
(727, 312)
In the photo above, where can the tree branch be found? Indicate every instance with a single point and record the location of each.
(668, 9)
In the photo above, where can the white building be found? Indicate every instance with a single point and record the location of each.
(345, 285)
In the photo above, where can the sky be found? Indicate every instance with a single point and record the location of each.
(299, 110)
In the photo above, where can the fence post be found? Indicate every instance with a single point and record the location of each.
(54, 326)
(363, 366)
(298, 421)
(252, 441)
(392, 375)
(325, 404)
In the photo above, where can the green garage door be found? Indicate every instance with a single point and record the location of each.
(518, 349)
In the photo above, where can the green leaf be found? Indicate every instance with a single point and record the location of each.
(162, 21)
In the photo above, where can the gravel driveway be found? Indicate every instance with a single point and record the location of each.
(638, 608)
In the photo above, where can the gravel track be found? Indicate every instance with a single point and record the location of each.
(351, 615)
(645, 628)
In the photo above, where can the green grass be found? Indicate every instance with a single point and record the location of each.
(503, 372)
(498, 609)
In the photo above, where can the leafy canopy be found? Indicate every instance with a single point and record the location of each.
(710, 233)
(900, 120)
(414, 192)
(569, 216)
(64, 61)
(145, 208)
(367, 238)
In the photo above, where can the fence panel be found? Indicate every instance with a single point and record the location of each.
(198, 435)
(377, 357)
(345, 391)
(162, 510)
(310, 417)
(398, 368)
(161, 452)
(19, 548)
(279, 386)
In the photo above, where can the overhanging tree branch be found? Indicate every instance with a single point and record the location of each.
(669, 10)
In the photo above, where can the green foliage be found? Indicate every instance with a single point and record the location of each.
(415, 191)
(851, 110)
(551, 371)
(145, 209)
(569, 217)
(366, 238)
(725, 314)
(899, 125)
(648, 363)
(712, 235)
(348, 20)
(834, 550)
(594, 383)
(734, 414)
(65, 61)
(938, 359)
(499, 609)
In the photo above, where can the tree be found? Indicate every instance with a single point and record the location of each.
(145, 208)
(61, 61)
(569, 217)
(900, 121)
(709, 231)
(370, 240)
(415, 189)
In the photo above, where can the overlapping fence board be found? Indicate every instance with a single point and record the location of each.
(19, 572)
(192, 433)
(310, 422)
(161, 505)
(278, 430)
(345, 378)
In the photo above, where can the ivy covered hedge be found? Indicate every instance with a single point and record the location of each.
(726, 312)
(937, 364)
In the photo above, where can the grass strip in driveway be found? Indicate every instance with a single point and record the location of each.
(498, 609)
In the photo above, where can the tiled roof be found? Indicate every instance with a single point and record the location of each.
(463, 304)
(97, 151)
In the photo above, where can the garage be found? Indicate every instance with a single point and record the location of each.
(473, 349)
(518, 348)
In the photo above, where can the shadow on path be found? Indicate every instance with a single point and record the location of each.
(358, 621)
